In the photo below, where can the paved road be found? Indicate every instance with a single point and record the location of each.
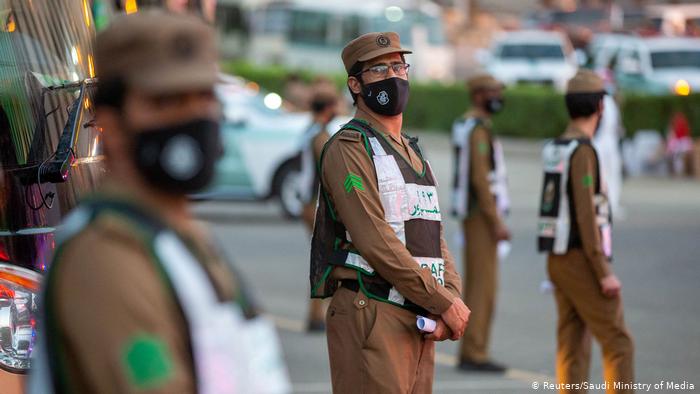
(657, 251)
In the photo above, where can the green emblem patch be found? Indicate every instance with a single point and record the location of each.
(483, 148)
(353, 181)
(588, 180)
(147, 361)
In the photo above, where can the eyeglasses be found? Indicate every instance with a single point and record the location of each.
(382, 70)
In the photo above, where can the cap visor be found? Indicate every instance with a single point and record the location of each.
(380, 52)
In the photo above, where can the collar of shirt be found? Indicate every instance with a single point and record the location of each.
(183, 224)
(486, 121)
(573, 132)
(378, 126)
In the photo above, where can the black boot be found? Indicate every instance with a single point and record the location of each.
(486, 366)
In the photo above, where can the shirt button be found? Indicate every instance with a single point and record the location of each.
(362, 302)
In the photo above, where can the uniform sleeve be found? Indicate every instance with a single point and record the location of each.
(583, 170)
(453, 282)
(479, 168)
(118, 324)
(360, 210)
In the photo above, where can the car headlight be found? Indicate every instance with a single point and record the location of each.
(19, 293)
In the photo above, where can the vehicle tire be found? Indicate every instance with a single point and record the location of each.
(287, 190)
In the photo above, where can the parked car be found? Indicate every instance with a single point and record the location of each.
(262, 142)
(540, 57)
(661, 65)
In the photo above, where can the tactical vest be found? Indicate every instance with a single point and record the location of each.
(234, 349)
(411, 208)
(558, 230)
(462, 189)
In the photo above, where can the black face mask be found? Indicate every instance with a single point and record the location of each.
(386, 97)
(494, 105)
(179, 159)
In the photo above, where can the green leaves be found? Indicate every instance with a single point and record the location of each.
(353, 181)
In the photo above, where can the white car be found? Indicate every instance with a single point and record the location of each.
(532, 56)
(262, 142)
(662, 65)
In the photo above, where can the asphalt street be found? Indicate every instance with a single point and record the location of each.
(657, 258)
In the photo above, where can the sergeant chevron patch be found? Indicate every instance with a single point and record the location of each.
(353, 181)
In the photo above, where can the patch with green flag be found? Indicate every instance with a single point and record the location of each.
(588, 180)
(483, 148)
(147, 361)
(353, 181)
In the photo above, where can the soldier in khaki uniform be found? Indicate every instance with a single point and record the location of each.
(137, 298)
(480, 200)
(574, 228)
(324, 107)
(377, 247)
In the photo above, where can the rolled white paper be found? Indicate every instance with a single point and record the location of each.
(546, 287)
(425, 325)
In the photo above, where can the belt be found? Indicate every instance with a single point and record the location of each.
(382, 290)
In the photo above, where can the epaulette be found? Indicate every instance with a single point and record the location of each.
(350, 135)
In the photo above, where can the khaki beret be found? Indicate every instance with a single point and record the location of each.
(483, 81)
(585, 81)
(158, 52)
(371, 45)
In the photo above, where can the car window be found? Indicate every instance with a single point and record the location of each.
(308, 27)
(675, 59)
(531, 51)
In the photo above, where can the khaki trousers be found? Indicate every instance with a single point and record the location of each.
(316, 305)
(375, 347)
(584, 310)
(480, 261)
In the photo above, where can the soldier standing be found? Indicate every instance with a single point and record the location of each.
(480, 201)
(324, 107)
(575, 231)
(378, 247)
(138, 298)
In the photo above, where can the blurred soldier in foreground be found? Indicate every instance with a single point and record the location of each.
(324, 106)
(138, 299)
(377, 247)
(480, 201)
(575, 229)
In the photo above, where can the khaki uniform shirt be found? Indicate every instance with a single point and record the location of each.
(480, 155)
(121, 327)
(583, 180)
(362, 214)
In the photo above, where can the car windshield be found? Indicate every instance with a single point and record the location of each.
(531, 51)
(675, 59)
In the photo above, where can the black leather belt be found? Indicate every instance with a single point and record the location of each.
(382, 291)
